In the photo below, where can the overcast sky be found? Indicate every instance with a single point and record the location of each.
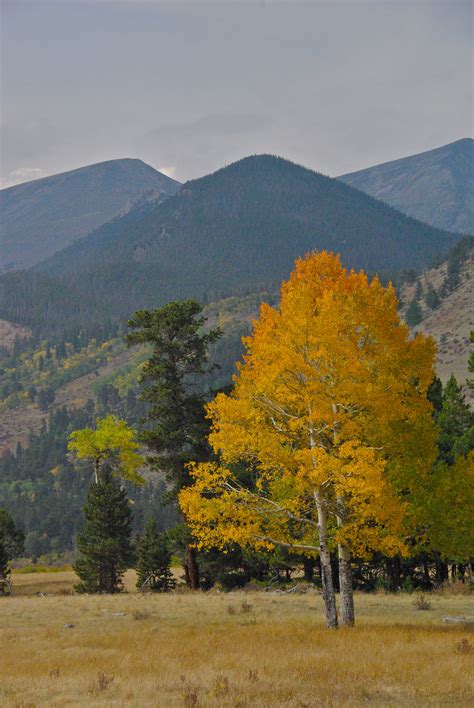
(188, 87)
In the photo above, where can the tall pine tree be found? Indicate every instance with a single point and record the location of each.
(176, 426)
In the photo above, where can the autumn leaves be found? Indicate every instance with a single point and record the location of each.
(327, 430)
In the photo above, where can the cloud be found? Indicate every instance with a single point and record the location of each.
(22, 174)
(168, 171)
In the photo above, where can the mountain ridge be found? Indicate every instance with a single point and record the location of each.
(435, 186)
(237, 230)
(41, 217)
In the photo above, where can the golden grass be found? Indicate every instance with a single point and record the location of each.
(236, 649)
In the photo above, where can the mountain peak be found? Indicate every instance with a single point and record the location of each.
(45, 215)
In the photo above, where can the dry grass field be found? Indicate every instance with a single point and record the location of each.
(228, 649)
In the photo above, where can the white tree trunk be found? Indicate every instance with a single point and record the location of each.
(326, 571)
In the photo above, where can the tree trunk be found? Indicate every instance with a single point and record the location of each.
(326, 571)
(191, 568)
(345, 585)
(308, 568)
(345, 573)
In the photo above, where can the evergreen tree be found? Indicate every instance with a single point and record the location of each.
(104, 542)
(154, 560)
(46, 397)
(432, 298)
(177, 426)
(456, 423)
(4, 567)
(11, 546)
(453, 275)
(435, 395)
(413, 314)
(470, 364)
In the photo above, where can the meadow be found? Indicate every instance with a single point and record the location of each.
(229, 649)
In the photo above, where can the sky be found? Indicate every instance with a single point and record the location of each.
(191, 86)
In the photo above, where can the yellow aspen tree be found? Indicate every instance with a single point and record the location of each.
(329, 409)
(112, 444)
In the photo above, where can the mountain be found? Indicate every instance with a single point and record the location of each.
(235, 231)
(41, 217)
(435, 186)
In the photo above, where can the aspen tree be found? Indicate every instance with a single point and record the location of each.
(329, 407)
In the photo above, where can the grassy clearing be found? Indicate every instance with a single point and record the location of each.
(236, 649)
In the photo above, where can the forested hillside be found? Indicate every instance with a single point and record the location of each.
(436, 186)
(440, 302)
(41, 217)
(48, 389)
(238, 230)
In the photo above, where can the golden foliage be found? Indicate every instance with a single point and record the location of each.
(330, 400)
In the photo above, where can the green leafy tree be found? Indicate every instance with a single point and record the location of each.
(154, 560)
(104, 543)
(449, 509)
(112, 444)
(176, 425)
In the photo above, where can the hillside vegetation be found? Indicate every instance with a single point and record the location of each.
(73, 372)
(444, 296)
(41, 217)
(436, 186)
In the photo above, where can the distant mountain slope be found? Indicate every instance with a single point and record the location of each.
(450, 318)
(435, 186)
(238, 230)
(41, 217)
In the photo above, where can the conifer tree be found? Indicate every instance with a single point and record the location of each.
(456, 422)
(413, 314)
(11, 538)
(470, 364)
(435, 395)
(177, 427)
(154, 560)
(104, 544)
(432, 298)
(4, 567)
